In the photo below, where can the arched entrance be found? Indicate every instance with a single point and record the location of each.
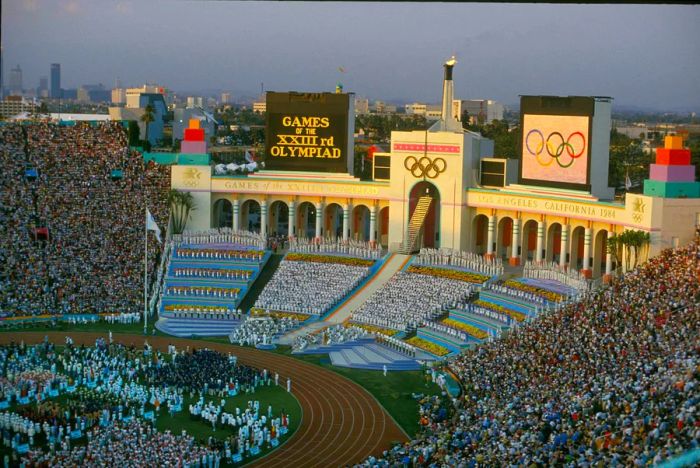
(600, 248)
(529, 242)
(360, 223)
(553, 253)
(306, 220)
(222, 214)
(250, 216)
(333, 222)
(480, 226)
(431, 225)
(278, 217)
(504, 244)
(577, 238)
(383, 228)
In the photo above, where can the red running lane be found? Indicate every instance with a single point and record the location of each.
(342, 423)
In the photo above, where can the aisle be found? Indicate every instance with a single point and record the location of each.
(394, 264)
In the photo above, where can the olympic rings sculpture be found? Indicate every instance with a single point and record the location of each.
(424, 167)
(555, 145)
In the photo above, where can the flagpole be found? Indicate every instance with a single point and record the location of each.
(145, 278)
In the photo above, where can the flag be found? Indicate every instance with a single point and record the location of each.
(152, 226)
(628, 182)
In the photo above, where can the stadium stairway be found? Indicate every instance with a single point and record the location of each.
(366, 353)
(393, 264)
(186, 327)
(312, 327)
(415, 224)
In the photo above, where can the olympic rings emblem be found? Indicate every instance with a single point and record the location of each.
(424, 167)
(555, 144)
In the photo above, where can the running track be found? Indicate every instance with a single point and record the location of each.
(341, 425)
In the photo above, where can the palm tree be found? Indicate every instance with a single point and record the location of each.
(181, 204)
(640, 240)
(148, 117)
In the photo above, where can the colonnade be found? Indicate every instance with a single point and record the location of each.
(358, 220)
(572, 245)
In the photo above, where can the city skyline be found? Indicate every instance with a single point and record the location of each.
(641, 55)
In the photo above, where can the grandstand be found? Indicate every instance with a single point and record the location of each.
(204, 285)
(70, 233)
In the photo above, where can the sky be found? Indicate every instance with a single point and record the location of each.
(641, 55)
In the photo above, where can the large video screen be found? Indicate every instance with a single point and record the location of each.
(307, 132)
(555, 148)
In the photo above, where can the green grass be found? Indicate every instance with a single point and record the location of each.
(276, 396)
(393, 391)
(202, 430)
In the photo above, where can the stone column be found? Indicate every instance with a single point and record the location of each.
(540, 241)
(586, 270)
(346, 221)
(292, 218)
(514, 257)
(319, 219)
(491, 236)
(263, 218)
(608, 268)
(564, 245)
(236, 215)
(373, 225)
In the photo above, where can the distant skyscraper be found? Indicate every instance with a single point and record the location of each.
(43, 83)
(225, 98)
(55, 80)
(2, 76)
(16, 80)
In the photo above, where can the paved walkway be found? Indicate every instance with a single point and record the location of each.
(394, 264)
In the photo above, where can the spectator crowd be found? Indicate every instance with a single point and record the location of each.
(609, 380)
(69, 237)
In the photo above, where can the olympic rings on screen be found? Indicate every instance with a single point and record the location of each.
(424, 167)
(555, 145)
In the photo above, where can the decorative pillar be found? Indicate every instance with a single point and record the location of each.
(346, 221)
(540, 241)
(564, 250)
(292, 218)
(490, 237)
(373, 225)
(236, 215)
(263, 218)
(586, 270)
(514, 257)
(608, 268)
(319, 219)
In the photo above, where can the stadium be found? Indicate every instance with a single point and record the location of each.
(457, 309)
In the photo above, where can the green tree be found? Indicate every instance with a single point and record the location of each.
(181, 205)
(148, 117)
(133, 133)
(639, 242)
(635, 243)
